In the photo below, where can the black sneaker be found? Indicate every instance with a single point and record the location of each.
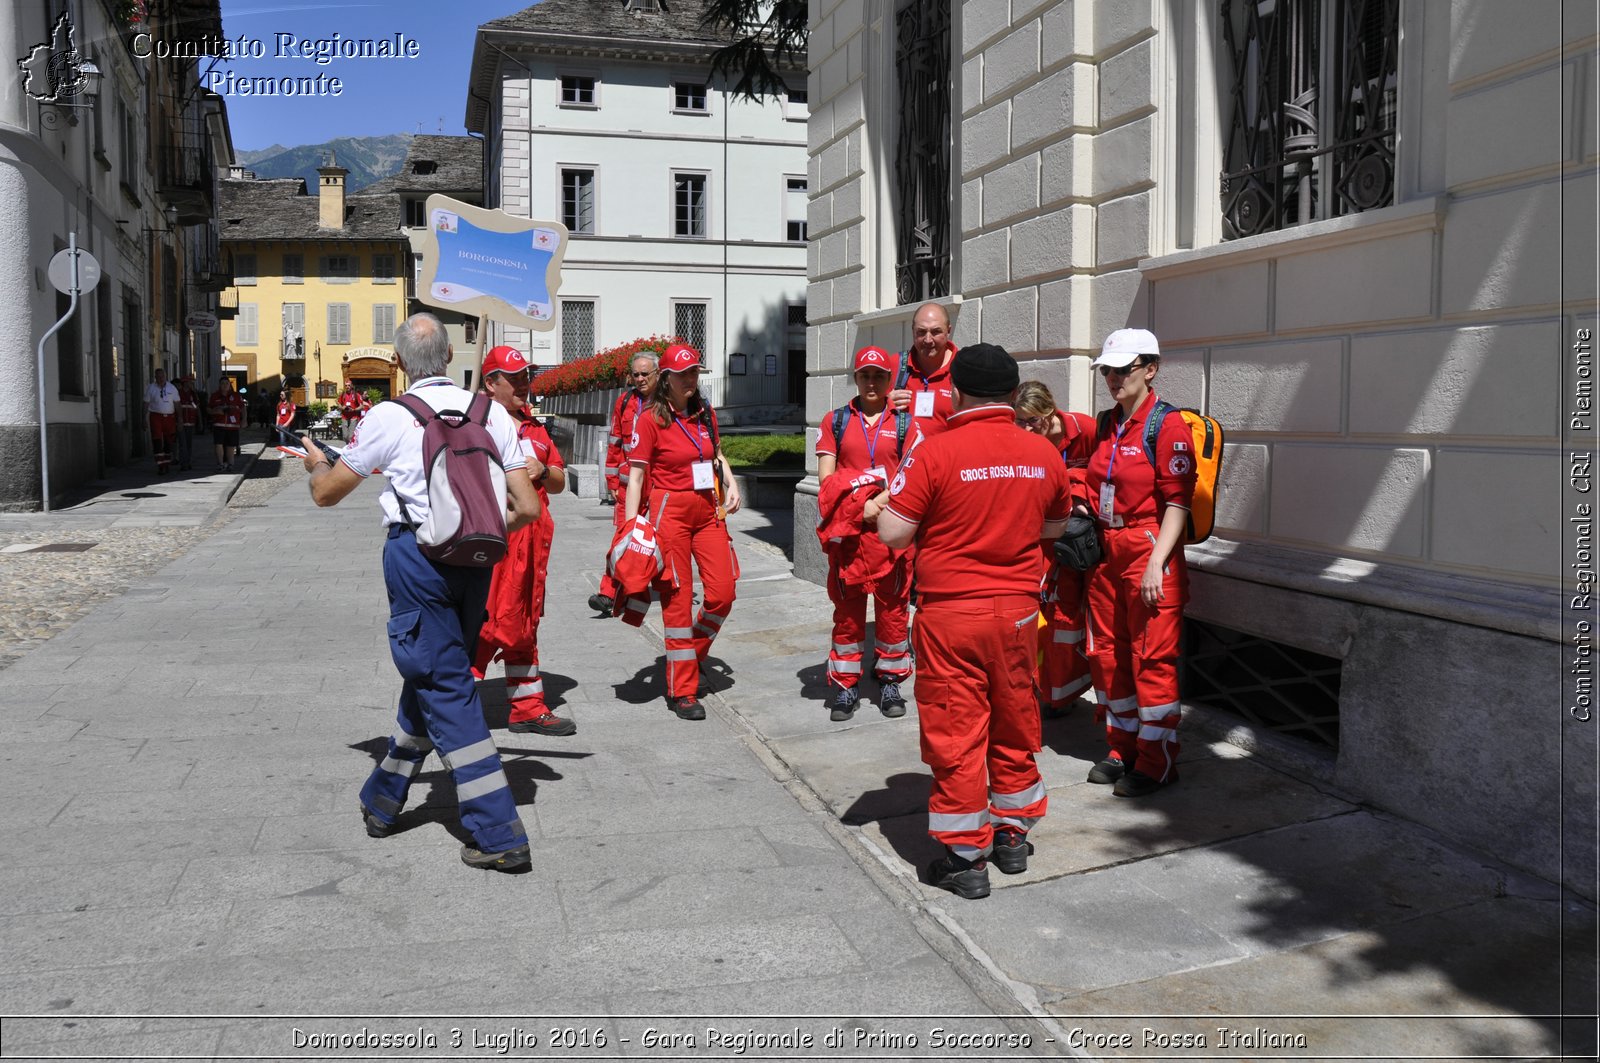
(1135, 783)
(890, 703)
(688, 708)
(376, 828)
(608, 500)
(964, 878)
(548, 724)
(512, 860)
(1011, 849)
(1107, 771)
(601, 603)
(844, 703)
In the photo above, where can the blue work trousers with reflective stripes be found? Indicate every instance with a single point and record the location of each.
(434, 614)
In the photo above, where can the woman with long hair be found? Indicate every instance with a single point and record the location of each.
(1141, 499)
(1064, 668)
(676, 444)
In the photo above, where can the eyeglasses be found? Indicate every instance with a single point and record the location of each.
(637, 373)
(1032, 424)
(1110, 371)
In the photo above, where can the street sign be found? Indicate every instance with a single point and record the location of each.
(60, 271)
(200, 321)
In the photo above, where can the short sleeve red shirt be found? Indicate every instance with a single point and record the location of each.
(1143, 491)
(937, 382)
(670, 451)
(535, 442)
(980, 494)
(864, 446)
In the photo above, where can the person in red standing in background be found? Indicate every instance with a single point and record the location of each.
(1138, 591)
(1064, 670)
(676, 445)
(516, 592)
(977, 499)
(365, 405)
(286, 410)
(870, 444)
(624, 414)
(927, 391)
(188, 420)
(227, 418)
(349, 409)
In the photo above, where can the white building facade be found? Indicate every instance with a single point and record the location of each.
(1380, 302)
(687, 206)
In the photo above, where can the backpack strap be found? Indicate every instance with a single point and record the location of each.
(902, 425)
(1152, 426)
(419, 409)
(839, 417)
(902, 376)
(478, 410)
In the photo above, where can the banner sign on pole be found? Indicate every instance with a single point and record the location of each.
(487, 262)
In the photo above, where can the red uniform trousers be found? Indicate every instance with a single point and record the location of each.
(687, 526)
(979, 724)
(1064, 670)
(163, 438)
(1133, 655)
(891, 639)
(511, 632)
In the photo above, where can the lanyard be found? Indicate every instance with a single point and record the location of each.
(1116, 441)
(872, 440)
(639, 408)
(698, 453)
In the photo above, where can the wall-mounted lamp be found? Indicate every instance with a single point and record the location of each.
(80, 82)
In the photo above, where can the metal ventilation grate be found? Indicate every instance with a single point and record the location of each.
(1291, 691)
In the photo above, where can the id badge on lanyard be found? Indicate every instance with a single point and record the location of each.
(1108, 490)
(924, 404)
(704, 478)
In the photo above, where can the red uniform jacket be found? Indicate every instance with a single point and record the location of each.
(858, 555)
(635, 562)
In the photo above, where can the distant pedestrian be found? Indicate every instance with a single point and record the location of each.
(188, 420)
(161, 402)
(286, 411)
(349, 410)
(676, 447)
(516, 594)
(227, 418)
(434, 608)
(977, 498)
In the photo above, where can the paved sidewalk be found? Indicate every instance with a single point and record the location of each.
(183, 851)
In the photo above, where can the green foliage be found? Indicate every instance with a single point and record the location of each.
(374, 396)
(784, 452)
(765, 37)
(317, 410)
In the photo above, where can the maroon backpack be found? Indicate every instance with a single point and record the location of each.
(466, 481)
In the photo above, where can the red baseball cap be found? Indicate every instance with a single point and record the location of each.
(504, 360)
(873, 358)
(680, 358)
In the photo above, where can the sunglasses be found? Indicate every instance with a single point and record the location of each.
(515, 378)
(1108, 371)
(636, 373)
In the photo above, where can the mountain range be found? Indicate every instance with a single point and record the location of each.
(368, 159)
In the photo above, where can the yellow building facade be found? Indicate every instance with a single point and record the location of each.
(320, 285)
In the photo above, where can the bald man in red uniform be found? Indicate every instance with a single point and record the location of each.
(927, 394)
(976, 634)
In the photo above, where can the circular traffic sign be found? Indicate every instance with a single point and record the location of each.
(60, 271)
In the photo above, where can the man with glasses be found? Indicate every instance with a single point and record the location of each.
(624, 415)
(516, 594)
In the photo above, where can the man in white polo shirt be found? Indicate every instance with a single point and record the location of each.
(435, 609)
(161, 400)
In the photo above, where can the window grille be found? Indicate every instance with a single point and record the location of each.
(797, 314)
(577, 200)
(1311, 126)
(577, 90)
(689, 323)
(1291, 691)
(577, 329)
(338, 322)
(922, 155)
(687, 96)
(689, 204)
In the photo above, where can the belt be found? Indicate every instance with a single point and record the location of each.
(397, 529)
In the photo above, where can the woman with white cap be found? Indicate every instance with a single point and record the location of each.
(1141, 497)
(676, 444)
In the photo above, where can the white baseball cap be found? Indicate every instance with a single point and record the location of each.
(1125, 345)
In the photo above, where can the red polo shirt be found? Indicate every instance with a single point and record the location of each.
(669, 452)
(1143, 491)
(980, 493)
(864, 446)
(937, 382)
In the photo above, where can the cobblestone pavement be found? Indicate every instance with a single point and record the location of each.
(43, 592)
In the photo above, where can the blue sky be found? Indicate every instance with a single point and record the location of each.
(409, 95)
